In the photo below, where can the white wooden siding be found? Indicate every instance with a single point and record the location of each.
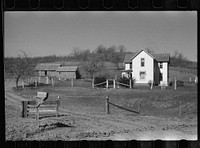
(127, 66)
(164, 71)
(148, 67)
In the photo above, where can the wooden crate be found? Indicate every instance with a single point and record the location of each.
(47, 108)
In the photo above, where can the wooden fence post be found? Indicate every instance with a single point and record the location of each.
(35, 83)
(130, 83)
(175, 84)
(58, 104)
(139, 107)
(37, 115)
(22, 83)
(47, 82)
(52, 81)
(92, 83)
(151, 85)
(107, 83)
(107, 105)
(72, 82)
(180, 108)
(39, 79)
(114, 86)
(24, 109)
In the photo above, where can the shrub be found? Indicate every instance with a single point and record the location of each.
(179, 83)
(126, 81)
(171, 83)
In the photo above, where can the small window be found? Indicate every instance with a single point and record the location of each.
(45, 73)
(142, 75)
(161, 65)
(130, 65)
(142, 62)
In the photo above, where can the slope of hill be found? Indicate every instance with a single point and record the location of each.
(182, 74)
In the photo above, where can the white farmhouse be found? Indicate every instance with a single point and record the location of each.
(145, 67)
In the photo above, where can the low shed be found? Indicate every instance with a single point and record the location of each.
(47, 69)
(67, 72)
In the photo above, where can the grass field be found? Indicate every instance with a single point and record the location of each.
(154, 102)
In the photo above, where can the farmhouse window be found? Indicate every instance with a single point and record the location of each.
(130, 65)
(161, 65)
(45, 73)
(142, 75)
(142, 62)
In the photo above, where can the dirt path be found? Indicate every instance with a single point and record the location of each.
(75, 125)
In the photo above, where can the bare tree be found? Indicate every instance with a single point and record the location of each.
(18, 66)
(122, 49)
(85, 54)
(176, 54)
(149, 50)
(101, 52)
(116, 54)
(179, 55)
(92, 66)
(76, 52)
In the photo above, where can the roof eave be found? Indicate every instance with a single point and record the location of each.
(140, 52)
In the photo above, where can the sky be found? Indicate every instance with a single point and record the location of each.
(47, 33)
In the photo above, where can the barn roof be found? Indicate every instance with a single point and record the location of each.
(47, 66)
(162, 57)
(67, 68)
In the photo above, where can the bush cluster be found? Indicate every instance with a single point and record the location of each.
(98, 80)
(124, 80)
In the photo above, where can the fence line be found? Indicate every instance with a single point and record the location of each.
(99, 83)
(130, 83)
(122, 84)
(109, 103)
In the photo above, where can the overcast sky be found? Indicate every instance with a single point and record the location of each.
(47, 33)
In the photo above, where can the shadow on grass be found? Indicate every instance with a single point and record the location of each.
(49, 126)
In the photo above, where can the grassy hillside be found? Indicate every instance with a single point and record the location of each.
(182, 74)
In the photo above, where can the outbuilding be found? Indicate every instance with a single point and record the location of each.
(47, 69)
(67, 72)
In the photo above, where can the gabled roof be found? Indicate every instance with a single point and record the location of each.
(163, 57)
(140, 52)
(47, 66)
(67, 68)
(127, 58)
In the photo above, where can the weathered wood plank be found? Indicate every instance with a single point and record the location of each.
(44, 106)
(41, 111)
(44, 103)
